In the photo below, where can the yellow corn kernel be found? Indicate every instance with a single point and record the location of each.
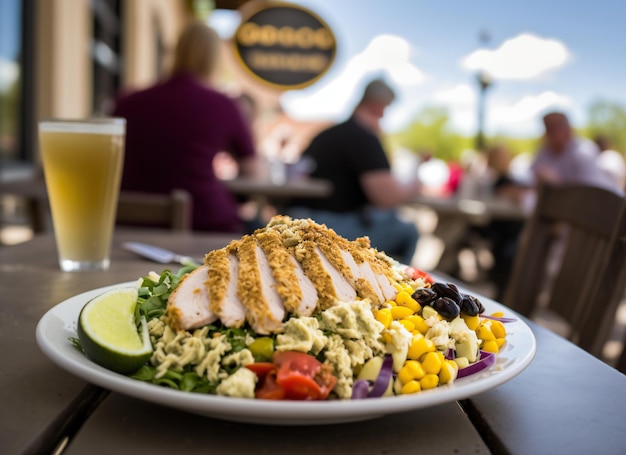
(432, 362)
(404, 299)
(384, 317)
(471, 321)
(498, 314)
(448, 373)
(500, 342)
(407, 324)
(498, 330)
(411, 387)
(490, 346)
(420, 346)
(419, 323)
(387, 337)
(430, 381)
(403, 287)
(484, 333)
(400, 312)
(411, 370)
(390, 303)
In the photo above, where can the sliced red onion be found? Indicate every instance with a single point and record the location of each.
(382, 381)
(449, 354)
(495, 318)
(360, 389)
(487, 359)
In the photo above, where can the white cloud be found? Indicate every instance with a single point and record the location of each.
(520, 116)
(225, 22)
(385, 55)
(524, 57)
(529, 107)
(460, 94)
(9, 72)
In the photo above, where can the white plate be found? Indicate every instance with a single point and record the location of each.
(59, 324)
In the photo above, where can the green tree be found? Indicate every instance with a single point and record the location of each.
(609, 119)
(430, 131)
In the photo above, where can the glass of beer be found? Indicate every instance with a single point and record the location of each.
(82, 163)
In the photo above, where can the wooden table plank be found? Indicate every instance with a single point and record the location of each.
(124, 425)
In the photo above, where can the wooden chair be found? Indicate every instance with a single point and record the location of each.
(172, 211)
(587, 222)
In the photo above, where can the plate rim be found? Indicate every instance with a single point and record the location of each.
(61, 352)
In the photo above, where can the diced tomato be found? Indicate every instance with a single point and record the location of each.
(417, 273)
(303, 376)
(268, 388)
(261, 368)
(293, 376)
(298, 386)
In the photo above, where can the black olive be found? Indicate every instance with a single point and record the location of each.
(469, 306)
(446, 307)
(444, 290)
(481, 308)
(424, 296)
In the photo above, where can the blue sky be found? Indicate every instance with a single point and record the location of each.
(550, 54)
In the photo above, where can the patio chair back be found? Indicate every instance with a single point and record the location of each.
(169, 211)
(565, 260)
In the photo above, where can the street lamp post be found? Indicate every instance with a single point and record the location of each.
(484, 82)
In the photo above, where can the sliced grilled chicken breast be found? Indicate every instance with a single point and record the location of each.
(282, 268)
(222, 288)
(308, 302)
(188, 306)
(365, 281)
(290, 266)
(256, 288)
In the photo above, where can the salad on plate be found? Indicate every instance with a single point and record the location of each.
(292, 312)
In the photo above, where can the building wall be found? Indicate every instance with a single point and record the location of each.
(64, 65)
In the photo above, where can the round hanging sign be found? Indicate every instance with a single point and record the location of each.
(284, 45)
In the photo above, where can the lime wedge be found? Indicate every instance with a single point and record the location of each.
(108, 334)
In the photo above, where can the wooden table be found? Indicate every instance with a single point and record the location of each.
(457, 215)
(565, 402)
(264, 192)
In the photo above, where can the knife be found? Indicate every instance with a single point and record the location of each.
(158, 254)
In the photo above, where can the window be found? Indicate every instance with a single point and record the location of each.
(105, 51)
(17, 126)
(10, 80)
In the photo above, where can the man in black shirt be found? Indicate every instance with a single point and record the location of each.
(366, 194)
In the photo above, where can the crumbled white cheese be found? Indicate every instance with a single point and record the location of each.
(301, 334)
(239, 384)
(439, 334)
(211, 363)
(238, 359)
(339, 357)
(353, 320)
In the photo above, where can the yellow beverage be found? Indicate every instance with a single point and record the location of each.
(83, 164)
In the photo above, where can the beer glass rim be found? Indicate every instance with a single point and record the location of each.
(102, 125)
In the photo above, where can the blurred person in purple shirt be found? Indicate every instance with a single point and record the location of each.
(175, 129)
(565, 158)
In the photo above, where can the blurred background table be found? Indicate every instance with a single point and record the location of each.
(265, 192)
(458, 217)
